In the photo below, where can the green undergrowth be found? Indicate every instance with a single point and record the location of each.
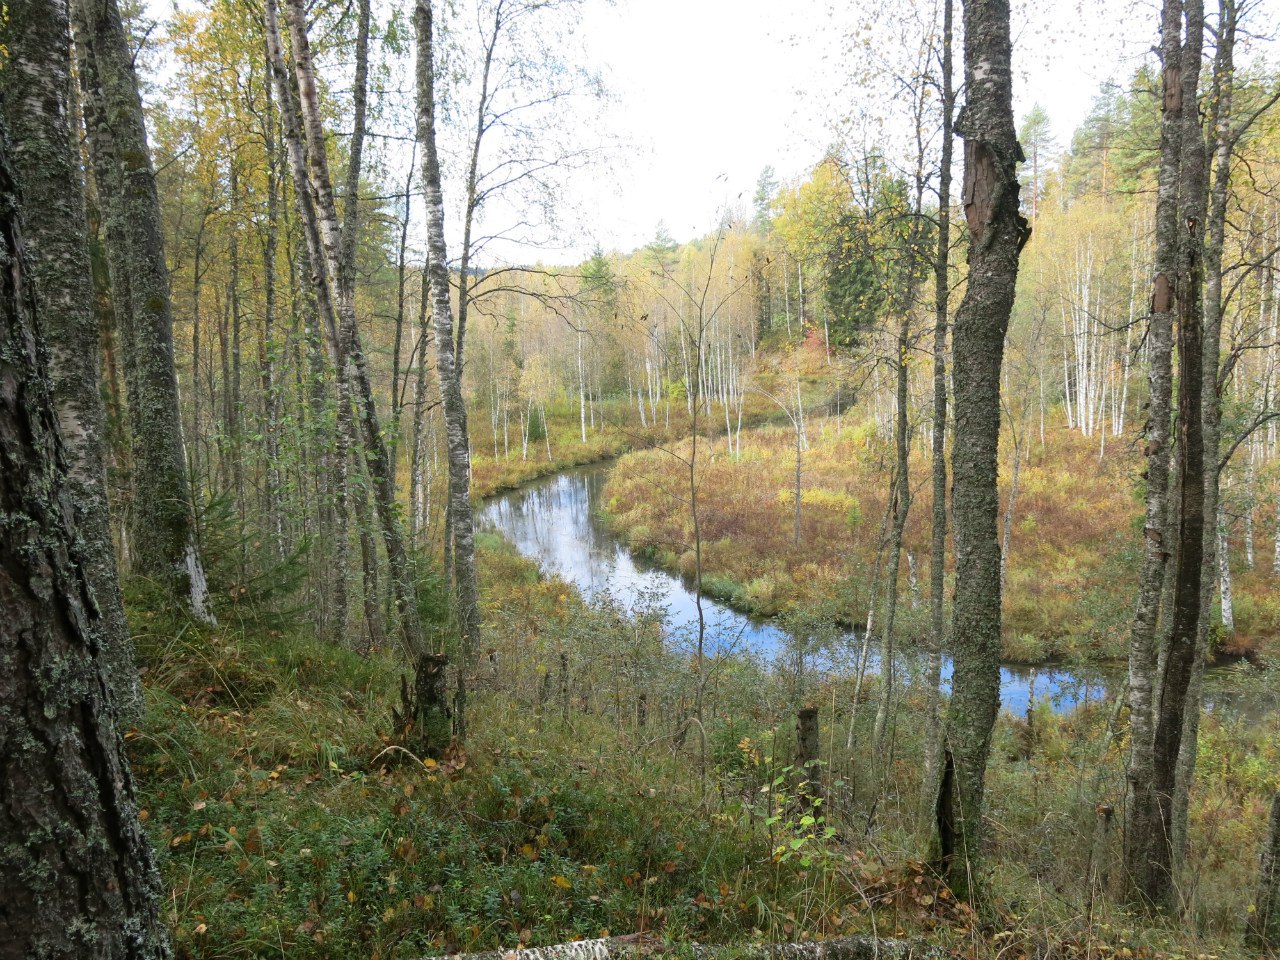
(287, 823)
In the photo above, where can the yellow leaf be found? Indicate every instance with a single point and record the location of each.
(430, 764)
(561, 882)
(351, 896)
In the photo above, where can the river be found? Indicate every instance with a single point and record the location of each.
(556, 521)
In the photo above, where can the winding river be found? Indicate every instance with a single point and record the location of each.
(556, 521)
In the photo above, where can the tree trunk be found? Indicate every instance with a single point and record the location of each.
(449, 373)
(77, 877)
(164, 535)
(402, 277)
(417, 520)
(938, 540)
(997, 232)
(808, 773)
(267, 359)
(332, 482)
(901, 510)
(346, 346)
(1216, 561)
(35, 95)
(1141, 836)
(1178, 708)
(1263, 929)
(1224, 581)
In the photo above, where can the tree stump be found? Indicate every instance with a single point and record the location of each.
(808, 776)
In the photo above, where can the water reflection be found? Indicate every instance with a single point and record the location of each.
(556, 521)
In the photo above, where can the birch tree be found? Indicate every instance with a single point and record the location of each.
(35, 92)
(77, 876)
(1150, 853)
(1141, 834)
(326, 247)
(460, 536)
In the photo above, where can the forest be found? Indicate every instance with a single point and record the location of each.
(399, 560)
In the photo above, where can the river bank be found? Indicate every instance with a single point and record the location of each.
(1070, 535)
(556, 521)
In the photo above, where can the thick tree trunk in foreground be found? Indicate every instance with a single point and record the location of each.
(1140, 805)
(997, 232)
(35, 103)
(460, 528)
(77, 878)
(163, 519)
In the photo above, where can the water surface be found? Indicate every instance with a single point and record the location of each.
(557, 522)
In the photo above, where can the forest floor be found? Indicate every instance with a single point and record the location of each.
(288, 822)
(1072, 559)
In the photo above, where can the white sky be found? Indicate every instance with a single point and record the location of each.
(710, 91)
(706, 93)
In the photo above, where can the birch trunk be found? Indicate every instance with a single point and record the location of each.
(333, 488)
(77, 876)
(1177, 706)
(267, 357)
(349, 350)
(34, 97)
(448, 371)
(1216, 566)
(1139, 839)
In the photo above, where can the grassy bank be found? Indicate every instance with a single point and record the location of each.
(1072, 564)
(501, 462)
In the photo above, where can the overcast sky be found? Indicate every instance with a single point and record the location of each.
(706, 93)
(710, 91)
